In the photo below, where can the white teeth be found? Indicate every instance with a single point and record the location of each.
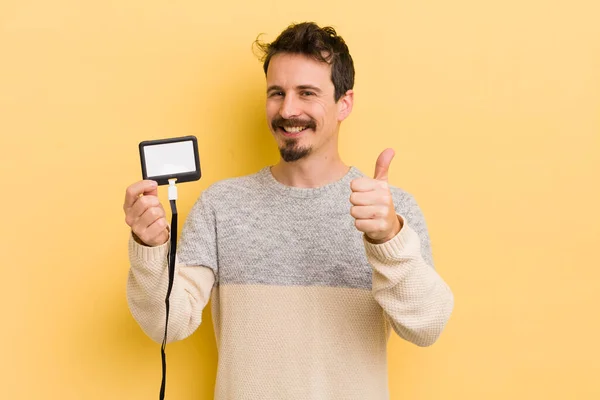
(294, 129)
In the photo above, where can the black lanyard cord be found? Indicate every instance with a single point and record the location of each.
(171, 256)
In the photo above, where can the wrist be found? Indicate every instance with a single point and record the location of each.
(398, 224)
(137, 239)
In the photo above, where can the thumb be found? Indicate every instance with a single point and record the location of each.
(383, 164)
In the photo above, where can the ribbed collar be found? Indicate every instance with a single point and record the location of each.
(271, 183)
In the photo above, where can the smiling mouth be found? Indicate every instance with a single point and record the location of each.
(294, 129)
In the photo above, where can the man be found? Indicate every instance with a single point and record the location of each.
(309, 263)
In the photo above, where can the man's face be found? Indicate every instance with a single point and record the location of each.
(301, 109)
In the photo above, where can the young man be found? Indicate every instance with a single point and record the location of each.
(309, 263)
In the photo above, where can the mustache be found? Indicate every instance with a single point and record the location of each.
(280, 122)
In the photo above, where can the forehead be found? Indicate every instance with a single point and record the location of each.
(290, 70)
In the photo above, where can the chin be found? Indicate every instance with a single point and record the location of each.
(291, 153)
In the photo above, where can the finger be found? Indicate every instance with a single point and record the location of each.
(365, 184)
(383, 164)
(150, 216)
(155, 234)
(371, 198)
(139, 208)
(361, 199)
(133, 192)
(371, 226)
(369, 212)
(142, 204)
(142, 227)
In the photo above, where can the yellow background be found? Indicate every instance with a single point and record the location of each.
(493, 109)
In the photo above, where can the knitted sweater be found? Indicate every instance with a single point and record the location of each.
(302, 304)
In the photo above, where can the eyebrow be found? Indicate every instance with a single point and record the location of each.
(309, 87)
(299, 87)
(274, 88)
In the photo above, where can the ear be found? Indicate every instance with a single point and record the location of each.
(345, 104)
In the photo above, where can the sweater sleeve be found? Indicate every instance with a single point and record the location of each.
(195, 276)
(415, 299)
(147, 287)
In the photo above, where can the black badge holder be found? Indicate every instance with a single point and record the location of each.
(170, 161)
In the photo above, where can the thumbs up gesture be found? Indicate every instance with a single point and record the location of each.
(372, 203)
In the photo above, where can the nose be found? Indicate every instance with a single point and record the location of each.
(289, 107)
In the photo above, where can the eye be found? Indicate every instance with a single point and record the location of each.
(306, 93)
(275, 94)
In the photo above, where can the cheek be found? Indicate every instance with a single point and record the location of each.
(272, 108)
(319, 112)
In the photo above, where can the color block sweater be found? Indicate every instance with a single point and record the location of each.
(302, 304)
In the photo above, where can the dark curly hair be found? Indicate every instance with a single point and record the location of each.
(321, 44)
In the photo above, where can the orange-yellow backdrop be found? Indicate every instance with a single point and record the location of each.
(493, 109)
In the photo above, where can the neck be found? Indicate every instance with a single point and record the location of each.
(312, 172)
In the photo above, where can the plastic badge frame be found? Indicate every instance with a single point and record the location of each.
(181, 176)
